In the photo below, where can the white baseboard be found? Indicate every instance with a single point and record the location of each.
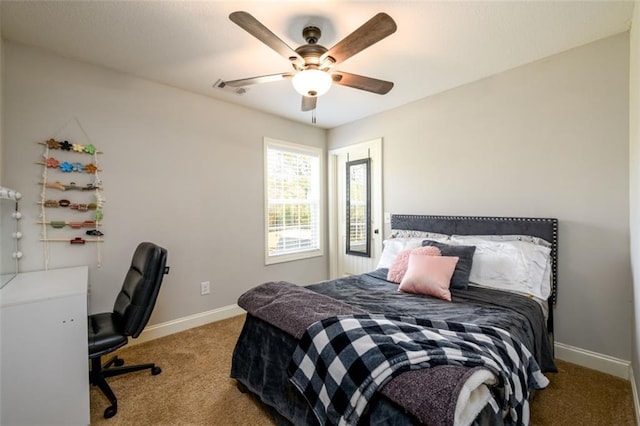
(593, 360)
(181, 324)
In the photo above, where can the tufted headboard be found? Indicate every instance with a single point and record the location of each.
(485, 225)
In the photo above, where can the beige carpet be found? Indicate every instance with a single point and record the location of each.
(195, 389)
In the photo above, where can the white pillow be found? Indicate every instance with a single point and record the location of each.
(545, 286)
(393, 246)
(516, 265)
(527, 238)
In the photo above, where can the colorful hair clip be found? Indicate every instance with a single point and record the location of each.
(55, 185)
(53, 144)
(66, 167)
(52, 162)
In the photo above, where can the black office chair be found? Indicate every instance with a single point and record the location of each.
(111, 330)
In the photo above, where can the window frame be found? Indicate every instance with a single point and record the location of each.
(270, 143)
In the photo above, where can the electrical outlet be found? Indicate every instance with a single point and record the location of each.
(205, 288)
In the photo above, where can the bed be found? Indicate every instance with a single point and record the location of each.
(474, 359)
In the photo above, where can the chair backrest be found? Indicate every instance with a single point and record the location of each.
(137, 298)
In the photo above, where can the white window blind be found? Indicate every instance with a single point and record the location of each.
(293, 201)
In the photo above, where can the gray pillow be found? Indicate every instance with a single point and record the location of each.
(460, 278)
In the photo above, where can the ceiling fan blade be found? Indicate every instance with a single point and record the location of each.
(371, 32)
(251, 25)
(254, 80)
(309, 103)
(361, 82)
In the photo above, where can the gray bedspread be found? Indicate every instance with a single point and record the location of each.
(292, 309)
(519, 315)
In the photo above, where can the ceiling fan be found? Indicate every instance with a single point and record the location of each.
(313, 64)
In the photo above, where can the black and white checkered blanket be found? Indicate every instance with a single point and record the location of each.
(341, 361)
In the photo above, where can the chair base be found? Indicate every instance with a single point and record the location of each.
(99, 374)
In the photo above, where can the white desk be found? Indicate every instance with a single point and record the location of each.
(44, 378)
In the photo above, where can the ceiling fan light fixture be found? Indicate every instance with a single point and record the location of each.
(311, 82)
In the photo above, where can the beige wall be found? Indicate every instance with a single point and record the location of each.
(180, 169)
(1, 102)
(549, 139)
(634, 181)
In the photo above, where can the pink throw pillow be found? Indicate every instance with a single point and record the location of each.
(399, 266)
(430, 275)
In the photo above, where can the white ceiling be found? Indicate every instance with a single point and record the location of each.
(191, 44)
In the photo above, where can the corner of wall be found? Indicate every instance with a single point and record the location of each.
(634, 193)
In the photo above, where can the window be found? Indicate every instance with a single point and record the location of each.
(292, 201)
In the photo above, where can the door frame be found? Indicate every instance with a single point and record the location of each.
(333, 203)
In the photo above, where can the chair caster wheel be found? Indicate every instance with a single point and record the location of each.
(155, 371)
(110, 411)
(118, 362)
